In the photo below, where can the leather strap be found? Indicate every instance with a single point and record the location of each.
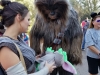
(21, 56)
(57, 40)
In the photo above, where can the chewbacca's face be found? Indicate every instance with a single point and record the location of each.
(52, 9)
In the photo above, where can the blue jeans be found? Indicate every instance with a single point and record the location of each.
(83, 41)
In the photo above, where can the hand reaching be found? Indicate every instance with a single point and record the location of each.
(38, 56)
(50, 66)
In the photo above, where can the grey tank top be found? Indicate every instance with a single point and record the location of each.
(28, 53)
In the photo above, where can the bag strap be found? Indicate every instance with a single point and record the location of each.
(21, 56)
(57, 41)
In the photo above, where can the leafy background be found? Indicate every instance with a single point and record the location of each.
(83, 8)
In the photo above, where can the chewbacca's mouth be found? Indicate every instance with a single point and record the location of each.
(52, 17)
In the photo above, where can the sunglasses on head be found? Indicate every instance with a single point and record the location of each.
(98, 20)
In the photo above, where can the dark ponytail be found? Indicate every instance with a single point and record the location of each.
(10, 10)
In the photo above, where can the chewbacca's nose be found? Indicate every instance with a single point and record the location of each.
(52, 13)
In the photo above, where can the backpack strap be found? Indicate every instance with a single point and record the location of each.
(21, 56)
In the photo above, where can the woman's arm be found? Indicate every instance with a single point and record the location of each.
(11, 63)
(94, 49)
(18, 69)
(8, 58)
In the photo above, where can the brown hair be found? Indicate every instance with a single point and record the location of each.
(91, 24)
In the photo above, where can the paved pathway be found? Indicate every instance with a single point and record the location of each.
(83, 69)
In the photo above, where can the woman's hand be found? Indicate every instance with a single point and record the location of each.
(38, 56)
(50, 66)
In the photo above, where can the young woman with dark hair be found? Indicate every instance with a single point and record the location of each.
(16, 17)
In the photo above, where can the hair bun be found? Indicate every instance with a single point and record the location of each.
(5, 2)
(93, 14)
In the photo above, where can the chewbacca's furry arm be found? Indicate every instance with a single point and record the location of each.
(73, 36)
(36, 34)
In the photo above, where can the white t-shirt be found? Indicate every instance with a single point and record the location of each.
(92, 37)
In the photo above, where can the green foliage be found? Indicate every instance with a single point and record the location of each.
(85, 7)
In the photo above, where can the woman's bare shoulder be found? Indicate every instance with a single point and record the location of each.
(8, 58)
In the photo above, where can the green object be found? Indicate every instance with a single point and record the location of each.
(49, 49)
(37, 67)
(60, 50)
(65, 58)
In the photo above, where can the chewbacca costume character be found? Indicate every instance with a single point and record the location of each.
(57, 26)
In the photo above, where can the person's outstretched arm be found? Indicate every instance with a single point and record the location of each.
(18, 69)
(11, 63)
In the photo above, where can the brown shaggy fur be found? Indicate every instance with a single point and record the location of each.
(56, 16)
